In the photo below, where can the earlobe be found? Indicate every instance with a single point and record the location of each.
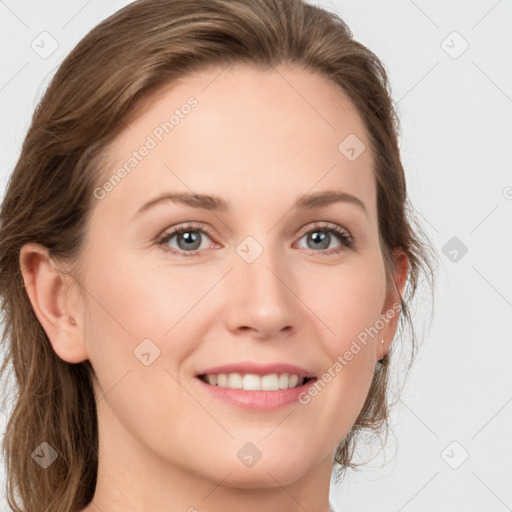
(50, 296)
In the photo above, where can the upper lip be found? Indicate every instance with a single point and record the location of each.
(258, 369)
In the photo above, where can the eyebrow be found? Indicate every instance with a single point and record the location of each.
(216, 203)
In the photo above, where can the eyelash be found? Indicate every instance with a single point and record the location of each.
(342, 234)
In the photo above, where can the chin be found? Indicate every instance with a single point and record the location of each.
(259, 479)
(273, 472)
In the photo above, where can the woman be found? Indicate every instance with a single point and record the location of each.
(204, 251)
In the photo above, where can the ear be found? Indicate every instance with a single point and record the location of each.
(390, 313)
(50, 293)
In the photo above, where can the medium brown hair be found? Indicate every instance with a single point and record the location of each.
(115, 68)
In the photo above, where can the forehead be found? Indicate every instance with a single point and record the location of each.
(242, 132)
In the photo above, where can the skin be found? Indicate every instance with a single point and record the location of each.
(165, 444)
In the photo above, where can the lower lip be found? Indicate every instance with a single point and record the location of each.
(257, 400)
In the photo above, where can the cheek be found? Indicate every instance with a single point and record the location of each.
(348, 299)
(145, 314)
(128, 317)
(134, 298)
(138, 332)
(349, 306)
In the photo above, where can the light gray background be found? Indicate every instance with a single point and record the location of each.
(456, 116)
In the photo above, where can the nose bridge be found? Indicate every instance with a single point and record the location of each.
(260, 263)
(261, 296)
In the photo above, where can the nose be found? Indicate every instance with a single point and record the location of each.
(261, 302)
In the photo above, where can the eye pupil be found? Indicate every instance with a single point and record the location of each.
(190, 238)
(321, 237)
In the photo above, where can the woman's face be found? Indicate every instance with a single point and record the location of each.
(252, 282)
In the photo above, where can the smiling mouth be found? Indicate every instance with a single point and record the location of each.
(253, 382)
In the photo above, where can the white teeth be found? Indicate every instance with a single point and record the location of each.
(270, 382)
(234, 381)
(252, 382)
(292, 381)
